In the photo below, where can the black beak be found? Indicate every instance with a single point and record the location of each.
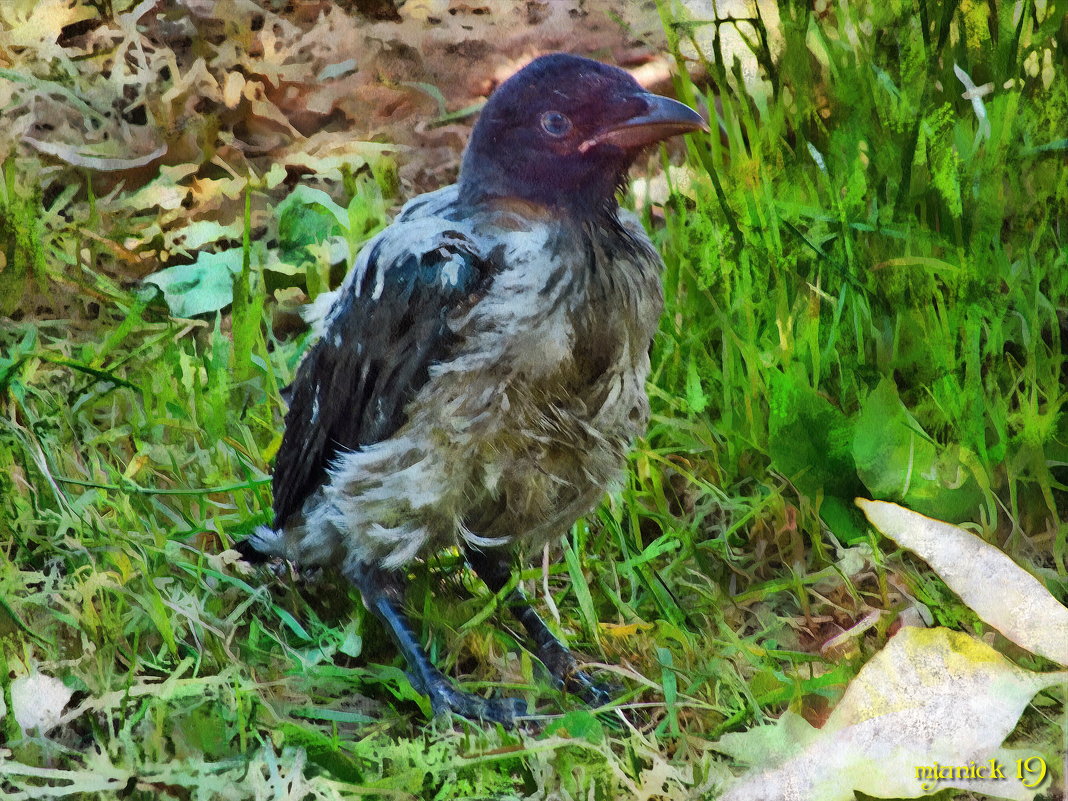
(662, 119)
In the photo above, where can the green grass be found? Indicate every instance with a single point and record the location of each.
(867, 293)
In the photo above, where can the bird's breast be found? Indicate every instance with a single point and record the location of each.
(550, 377)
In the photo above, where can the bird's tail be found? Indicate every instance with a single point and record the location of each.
(265, 543)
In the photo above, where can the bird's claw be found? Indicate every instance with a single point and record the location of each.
(446, 698)
(569, 676)
(594, 693)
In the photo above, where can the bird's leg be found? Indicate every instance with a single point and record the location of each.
(493, 567)
(383, 594)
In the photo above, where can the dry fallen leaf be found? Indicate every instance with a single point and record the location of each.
(997, 589)
(38, 702)
(77, 158)
(932, 697)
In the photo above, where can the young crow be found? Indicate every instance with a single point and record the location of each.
(479, 376)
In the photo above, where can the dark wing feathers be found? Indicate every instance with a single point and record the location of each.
(352, 387)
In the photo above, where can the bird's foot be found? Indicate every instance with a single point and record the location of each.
(594, 693)
(570, 676)
(446, 698)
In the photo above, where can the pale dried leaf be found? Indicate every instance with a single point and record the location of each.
(38, 702)
(997, 589)
(37, 30)
(931, 696)
(76, 158)
(233, 88)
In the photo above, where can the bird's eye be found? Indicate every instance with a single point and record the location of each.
(555, 124)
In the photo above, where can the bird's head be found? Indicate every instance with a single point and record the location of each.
(563, 131)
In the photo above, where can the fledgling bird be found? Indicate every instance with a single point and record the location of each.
(479, 375)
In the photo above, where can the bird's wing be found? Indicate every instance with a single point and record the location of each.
(387, 325)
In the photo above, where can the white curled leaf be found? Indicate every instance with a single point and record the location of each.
(1002, 593)
(975, 94)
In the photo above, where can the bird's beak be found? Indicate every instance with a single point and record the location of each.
(662, 118)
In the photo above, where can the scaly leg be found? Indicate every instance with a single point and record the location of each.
(383, 594)
(494, 568)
